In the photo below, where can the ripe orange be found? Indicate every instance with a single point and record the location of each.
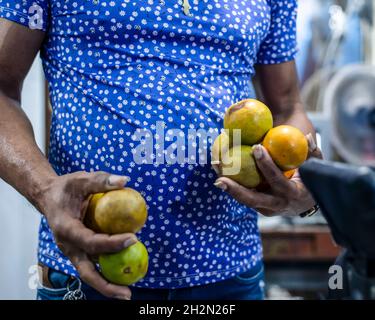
(250, 116)
(118, 211)
(239, 165)
(220, 147)
(90, 220)
(289, 174)
(287, 146)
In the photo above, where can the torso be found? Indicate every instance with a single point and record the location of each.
(115, 67)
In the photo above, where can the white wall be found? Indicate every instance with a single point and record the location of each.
(18, 219)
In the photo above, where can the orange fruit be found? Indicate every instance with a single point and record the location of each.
(252, 117)
(289, 174)
(118, 211)
(90, 212)
(287, 146)
(239, 165)
(220, 147)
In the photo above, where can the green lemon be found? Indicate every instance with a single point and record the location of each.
(125, 267)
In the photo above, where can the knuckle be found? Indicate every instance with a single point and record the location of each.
(246, 199)
(80, 268)
(274, 178)
(59, 229)
(107, 290)
(83, 273)
(76, 181)
(69, 184)
(249, 203)
(91, 247)
(233, 191)
(100, 175)
(78, 176)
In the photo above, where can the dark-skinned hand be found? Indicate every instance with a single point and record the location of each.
(285, 197)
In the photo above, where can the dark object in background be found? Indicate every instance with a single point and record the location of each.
(346, 195)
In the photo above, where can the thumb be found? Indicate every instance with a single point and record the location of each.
(314, 150)
(96, 182)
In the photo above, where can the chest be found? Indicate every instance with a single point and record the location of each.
(228, 23)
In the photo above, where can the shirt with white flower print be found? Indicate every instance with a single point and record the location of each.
(115, 68)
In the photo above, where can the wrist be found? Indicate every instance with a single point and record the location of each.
(39, 194)
(304, 201)
(310, 212)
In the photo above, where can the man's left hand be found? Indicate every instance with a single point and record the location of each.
(286, 197)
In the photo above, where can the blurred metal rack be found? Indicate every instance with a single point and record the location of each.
(297, 259)
(298, 243)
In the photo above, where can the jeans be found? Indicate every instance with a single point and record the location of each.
(246, 286)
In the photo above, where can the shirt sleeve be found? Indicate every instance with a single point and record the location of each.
(29, 13)
(280, 44)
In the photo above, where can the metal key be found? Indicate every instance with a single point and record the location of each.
(76, 294)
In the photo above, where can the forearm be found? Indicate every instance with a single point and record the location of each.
(277, 86)
(295, 116)
(22, 164)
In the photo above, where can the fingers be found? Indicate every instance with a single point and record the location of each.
(95, 182)
(250, 198)
(273, 175)
(93, 243)
(314, 151)
(91, 276)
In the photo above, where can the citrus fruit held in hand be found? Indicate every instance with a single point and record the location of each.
(118, 211)
(125, 267)
(252, 117)
(90, 212)
(287, 146)
(289, 174)
(220, 147)
(239, 165)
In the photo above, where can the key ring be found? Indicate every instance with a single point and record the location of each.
(76, 294)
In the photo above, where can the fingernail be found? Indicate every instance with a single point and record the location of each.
(311, 141)
(258, 152)
(115, 180)
(122, 297)
(221, 185)
(129, 242)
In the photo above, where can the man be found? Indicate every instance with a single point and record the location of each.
(115, 67)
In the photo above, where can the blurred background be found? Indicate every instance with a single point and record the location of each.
(336, 66)
(335, 63)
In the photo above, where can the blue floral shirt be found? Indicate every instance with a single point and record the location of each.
(117, 67)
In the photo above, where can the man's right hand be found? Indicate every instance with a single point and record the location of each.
(64, 203)
(22, 164)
